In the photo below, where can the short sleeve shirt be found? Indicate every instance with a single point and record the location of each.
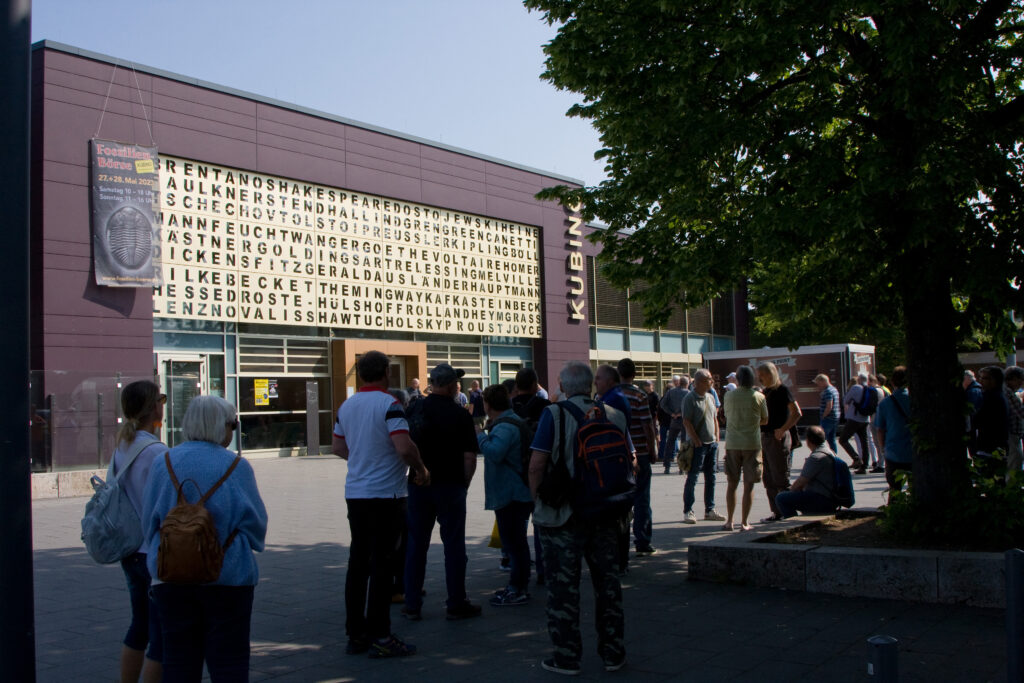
(778, 400)
(639, 412)
(899, 445)
(744, 409)
(819, 474)
(548, 439)
(443, 432)
(701, 412)
(366, 422)
(829, 393)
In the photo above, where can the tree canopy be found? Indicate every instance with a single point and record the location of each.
(858, 164)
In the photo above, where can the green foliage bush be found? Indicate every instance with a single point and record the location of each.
(989, 515)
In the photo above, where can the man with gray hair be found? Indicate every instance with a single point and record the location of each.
(1013, 379)
(700, 419)
(567, 539)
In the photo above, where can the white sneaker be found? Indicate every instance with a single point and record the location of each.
(713, 516)
(689, 518)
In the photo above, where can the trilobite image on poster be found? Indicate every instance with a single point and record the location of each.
(125, 197)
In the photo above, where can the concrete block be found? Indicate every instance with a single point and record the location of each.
(44, 485)
(76, 482)
(756, 564)
(873, 573)
(977, 579)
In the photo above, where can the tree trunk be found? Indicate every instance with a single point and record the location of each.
(935, 380)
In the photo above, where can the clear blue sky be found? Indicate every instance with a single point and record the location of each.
(462, 72)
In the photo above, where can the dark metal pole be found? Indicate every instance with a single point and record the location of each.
(17, 619)
(883, 659)
(1015, 615)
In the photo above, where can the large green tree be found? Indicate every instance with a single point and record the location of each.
(858, 164)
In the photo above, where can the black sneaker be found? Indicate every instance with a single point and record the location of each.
(392, 647)
(357, 646)
(509, 597)
(615, 666)
(645, 550)
(411, 614)
(466, 610)
(564, 669)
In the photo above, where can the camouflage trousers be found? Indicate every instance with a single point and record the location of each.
(564, 549)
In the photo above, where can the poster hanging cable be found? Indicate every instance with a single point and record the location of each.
(138, 89)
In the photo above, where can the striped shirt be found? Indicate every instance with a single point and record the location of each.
(639, 412)
(827, 394)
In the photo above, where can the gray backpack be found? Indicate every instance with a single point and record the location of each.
(111, 529)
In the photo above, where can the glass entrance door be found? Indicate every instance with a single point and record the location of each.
(183, 379)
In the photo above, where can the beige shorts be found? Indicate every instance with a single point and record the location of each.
(746, 461)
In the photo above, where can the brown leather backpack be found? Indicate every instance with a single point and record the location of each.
(189, 550)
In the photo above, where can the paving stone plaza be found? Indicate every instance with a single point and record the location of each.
(676, 629)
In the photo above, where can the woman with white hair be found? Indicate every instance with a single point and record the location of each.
(207, 622)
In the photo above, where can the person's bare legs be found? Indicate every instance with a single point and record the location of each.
(152, 671)
(748, 501)
(730, 504)
(134, 662)
(131, 664)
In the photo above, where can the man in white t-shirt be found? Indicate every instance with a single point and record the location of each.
(372, 434)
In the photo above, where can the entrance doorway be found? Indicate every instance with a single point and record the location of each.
(183, 377)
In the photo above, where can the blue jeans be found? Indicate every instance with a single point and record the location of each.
(829, 424)
(145, 624)
(704, 460)
(807, 502)
(642, 505)
(668, 445)
(205, 623)
(513, 520)
(446, 505)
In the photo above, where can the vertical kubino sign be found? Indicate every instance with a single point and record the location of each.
(125, 205)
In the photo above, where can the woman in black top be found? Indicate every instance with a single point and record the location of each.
(783, 413)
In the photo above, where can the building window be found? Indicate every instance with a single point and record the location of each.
(611, 340)
(671, 343)
(696, 343)
(642, 341)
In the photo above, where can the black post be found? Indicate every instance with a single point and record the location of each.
(17, 622)
(1014, 615)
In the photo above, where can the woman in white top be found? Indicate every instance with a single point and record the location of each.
(142, 405)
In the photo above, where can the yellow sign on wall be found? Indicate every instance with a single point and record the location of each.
(247, 247)
(261, 389)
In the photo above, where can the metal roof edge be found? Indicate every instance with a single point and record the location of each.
(154, 71)
(783, 351)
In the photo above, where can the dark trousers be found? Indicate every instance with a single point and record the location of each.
(145, 625)
(775, 473)
(205, 623)
(850, 429)
(376, 527)
(891, 468)
(513, 521)
(444, 504)
(807, 502)
(565, 548)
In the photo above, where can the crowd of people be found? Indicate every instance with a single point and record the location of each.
(412, 456)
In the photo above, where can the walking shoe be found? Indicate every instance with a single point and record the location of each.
(506, 565)
(411, 614)
(564, 669)
(510, 597)
(645, 550)
(876, 469)
(860, 470)
(357, 646)
(615, 666)
(391, 647)
(466, 610)
(689, 518)
(713, 516)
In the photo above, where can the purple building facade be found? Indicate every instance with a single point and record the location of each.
(288, 376)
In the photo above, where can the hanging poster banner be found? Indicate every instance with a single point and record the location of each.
(125, 192)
